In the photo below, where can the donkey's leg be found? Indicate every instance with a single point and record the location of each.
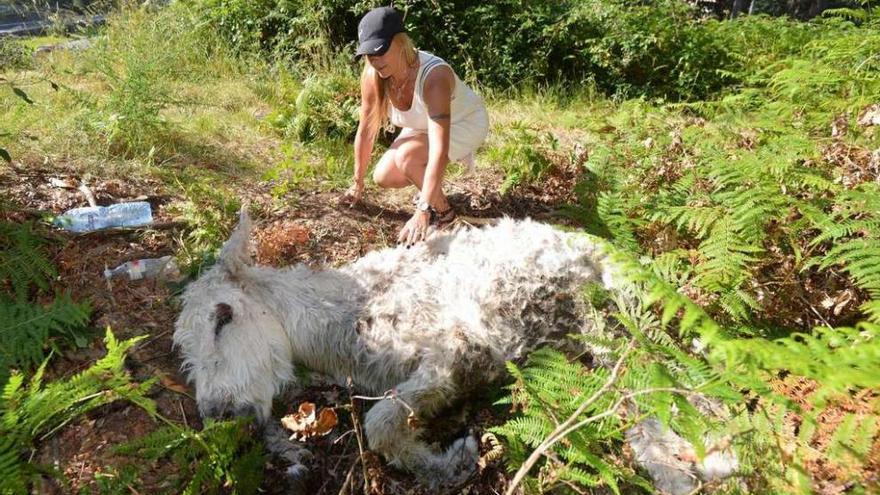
(293, 454)
(390, 432)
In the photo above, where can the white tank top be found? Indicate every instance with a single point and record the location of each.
(464, 101)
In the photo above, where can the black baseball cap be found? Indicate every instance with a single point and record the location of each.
(376, 29)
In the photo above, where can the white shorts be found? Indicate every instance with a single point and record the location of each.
(465, 137)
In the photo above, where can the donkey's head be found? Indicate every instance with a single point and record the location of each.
(233, 346)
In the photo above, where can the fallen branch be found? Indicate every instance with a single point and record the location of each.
(89, 195)
(571, 424)
(555, 435)
(359, 434)
(391, 395)
(129, 230)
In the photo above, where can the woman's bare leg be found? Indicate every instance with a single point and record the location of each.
(404, 164)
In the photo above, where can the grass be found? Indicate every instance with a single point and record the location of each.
(155, 98)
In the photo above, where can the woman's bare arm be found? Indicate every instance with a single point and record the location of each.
(439, 86)
(366, 131)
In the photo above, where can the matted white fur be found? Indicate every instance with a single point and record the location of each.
(430, 322)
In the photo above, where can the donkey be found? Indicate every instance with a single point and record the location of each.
(431, 323)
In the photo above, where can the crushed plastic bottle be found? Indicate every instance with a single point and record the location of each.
(163, 268)
(93, 218)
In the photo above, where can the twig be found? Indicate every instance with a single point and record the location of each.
(391, 395)
(696, 490)
(90, 197)
(153, 338)
(478, 221)
(341, 458)
(572, 486)
(813, 309)
(555, 435)
(183, 413)
(613, 409)
(359, 434)
(348, 478)
(349, 432)
(110, 290)
(129, 230)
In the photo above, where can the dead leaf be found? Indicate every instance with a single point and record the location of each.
(840, 125)
(171, 384)
(62, 183)
(305, 424)
(412, 421)
(870, 116)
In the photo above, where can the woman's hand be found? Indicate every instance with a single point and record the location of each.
(416, 229)
(354, 194)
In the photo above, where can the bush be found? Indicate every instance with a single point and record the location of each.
(143, 57)
(658, 49)
(523, 155)
(14, 55)
(325, 108)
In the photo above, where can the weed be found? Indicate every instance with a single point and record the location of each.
(211, 211)
(523, 155)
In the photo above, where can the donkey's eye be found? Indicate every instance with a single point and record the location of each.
(222, 316)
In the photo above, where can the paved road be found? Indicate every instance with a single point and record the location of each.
(22, 18)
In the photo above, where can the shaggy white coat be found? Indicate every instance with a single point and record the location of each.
(430, 322)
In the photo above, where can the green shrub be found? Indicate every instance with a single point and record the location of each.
(14, 54)
(210, 211)
(325, 108)
(142, 58)
(224, 455)
(524, 155)
(33, 410)
(658, 49)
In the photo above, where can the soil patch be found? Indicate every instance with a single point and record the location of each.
(311, 228)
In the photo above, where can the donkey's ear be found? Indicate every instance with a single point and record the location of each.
(222, 316)
(235, 256)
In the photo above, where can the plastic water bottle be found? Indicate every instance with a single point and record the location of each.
(163, 267)
(92, 218)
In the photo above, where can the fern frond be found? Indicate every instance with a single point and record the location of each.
(861, 259)
(26, 329)
(36, 411)
(24, 261)
(696, 219)
(223, 454)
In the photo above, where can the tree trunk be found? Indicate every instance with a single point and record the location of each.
(817, 7)
(738, 6)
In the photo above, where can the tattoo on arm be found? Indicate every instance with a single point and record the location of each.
(440, 116)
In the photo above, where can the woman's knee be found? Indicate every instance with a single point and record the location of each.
(386, 173)
(410, 161)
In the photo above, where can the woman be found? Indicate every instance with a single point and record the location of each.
(441, 118)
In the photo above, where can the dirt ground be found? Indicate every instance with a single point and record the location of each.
(311, 228)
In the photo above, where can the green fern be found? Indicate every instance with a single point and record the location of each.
(222, 455)
(24, 261)
(551, 387)
(840, 360)
(26, 331)
(32, 410)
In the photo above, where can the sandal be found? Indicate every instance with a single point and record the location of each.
(443, 218)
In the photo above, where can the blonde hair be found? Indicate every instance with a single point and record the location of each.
(378, 117)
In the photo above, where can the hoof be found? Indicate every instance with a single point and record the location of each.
(460, 461)
(296, 479)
